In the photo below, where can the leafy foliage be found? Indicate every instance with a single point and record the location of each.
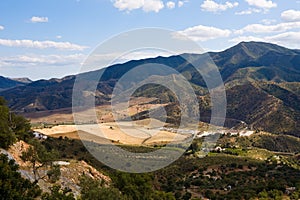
(7, 136)
(137, 186)
(58, 193)
(12, 126)
(12, 185)
(39, 158)
(92, 189)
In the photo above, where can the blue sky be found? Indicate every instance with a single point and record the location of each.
(51, 38)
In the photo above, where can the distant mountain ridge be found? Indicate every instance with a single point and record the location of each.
(7, 83)
(262, 61)
(262, 83)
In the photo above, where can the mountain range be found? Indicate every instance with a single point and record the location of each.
(262, 83)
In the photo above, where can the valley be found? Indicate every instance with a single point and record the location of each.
(254, 156)
(150, 100)
(264, 94)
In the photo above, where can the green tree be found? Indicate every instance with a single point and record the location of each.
(92, 189)
(12, 126)
(57, 193)
(187, 196)
(136, 186)
(54, 173)
(160, 195)
(21, 127)
(276, 194)
(40, 158)
(7, 136)
(12, 185)
(295, 195)
(263, 195)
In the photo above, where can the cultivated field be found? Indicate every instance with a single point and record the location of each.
(144, 132)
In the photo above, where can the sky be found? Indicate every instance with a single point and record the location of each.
(52, 38)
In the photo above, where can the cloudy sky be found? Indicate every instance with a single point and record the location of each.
(51, 38)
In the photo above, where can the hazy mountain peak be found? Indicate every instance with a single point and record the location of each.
(257, 49)
(6, 83)
(22, 80)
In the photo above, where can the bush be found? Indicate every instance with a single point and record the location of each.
(92, 189)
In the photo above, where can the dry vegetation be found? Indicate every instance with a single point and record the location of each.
(140, 132)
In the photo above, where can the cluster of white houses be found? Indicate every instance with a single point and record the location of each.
(242, 133)
(200, 134)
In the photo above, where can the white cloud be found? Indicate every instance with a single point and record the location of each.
(41, 60)
(170, 4)
(180, 4)
(212, 6)
(249, 11)
(58, 36)
(42, 44)
(291, 15)
(261, 28)
(287, 39)
(203, 33)
(265, 4)
(1, 28)
(290, 39)
(128, 4)
(259, 6)
(268, 21)
(153, 5)
(146, 5)
(36, 19)
(285, 33)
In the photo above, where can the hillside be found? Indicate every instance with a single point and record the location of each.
(261, 79)
(245, 168)
(258, 61)
(240, 167)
